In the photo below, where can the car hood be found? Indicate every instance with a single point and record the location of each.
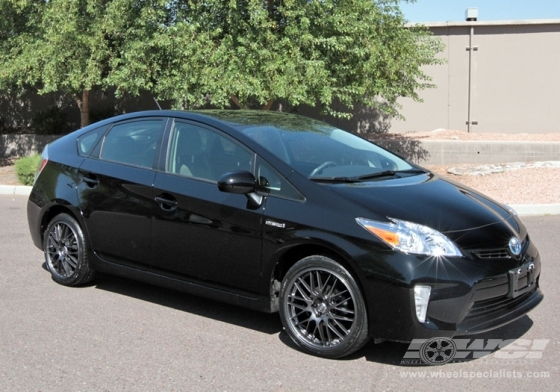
(443, 205)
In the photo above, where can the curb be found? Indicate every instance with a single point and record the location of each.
(536, 209)
(15, 190)
(521, 209)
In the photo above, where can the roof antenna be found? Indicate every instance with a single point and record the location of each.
(155, 100)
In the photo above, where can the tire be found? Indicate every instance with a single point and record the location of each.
(66, 252)
(322, 308)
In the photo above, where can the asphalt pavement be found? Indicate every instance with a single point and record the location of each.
(118, 334)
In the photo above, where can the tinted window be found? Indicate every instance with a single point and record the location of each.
(198, 152)
(87, 142)
(273, 182)
(133, 143)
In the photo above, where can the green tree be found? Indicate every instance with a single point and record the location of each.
(254, 52)
(60, 46)
(217, 52)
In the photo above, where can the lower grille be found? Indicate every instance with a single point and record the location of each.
(484, 308)
(492, 254)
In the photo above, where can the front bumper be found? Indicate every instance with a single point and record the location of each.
(468, 296)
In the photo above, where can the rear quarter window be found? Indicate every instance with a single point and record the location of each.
(88, 141)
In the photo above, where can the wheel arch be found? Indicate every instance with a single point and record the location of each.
(57, 209)
(299, 251)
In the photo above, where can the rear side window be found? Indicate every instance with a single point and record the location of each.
(88, 141)
(133, 143)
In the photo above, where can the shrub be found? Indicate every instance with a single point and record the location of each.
(26, 168)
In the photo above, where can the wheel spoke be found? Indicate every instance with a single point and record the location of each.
(325, 284)
(66, 266)
(298, 306)
(339, 294)
(72, 262)
(342, 318)
(304, 284)
(331, 328)
(332, 287)
(304, 295)
(344, 310)
(339, 325)
(53, 242)
(318, 327)
(302, 321)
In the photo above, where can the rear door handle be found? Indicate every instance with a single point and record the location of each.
(90, 179)
(166, 203)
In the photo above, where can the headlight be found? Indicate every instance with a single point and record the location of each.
(411, 237)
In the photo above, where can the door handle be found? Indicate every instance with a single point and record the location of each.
(90, 179)
(166, 204)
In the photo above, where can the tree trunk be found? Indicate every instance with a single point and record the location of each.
(83, 104)
(236, 102)
(268, 105)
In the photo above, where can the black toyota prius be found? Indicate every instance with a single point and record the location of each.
(282, 213)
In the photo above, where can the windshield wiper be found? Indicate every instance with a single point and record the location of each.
(333, 179)
(387, 173)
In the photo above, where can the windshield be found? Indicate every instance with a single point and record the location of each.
(322, 152)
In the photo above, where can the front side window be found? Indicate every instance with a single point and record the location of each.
(133, 143)
(274, 183)
(199, 152)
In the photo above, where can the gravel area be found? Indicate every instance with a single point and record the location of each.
(523, 186)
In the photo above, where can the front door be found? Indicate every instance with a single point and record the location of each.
(200, 233)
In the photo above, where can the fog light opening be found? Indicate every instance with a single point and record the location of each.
(421, 300)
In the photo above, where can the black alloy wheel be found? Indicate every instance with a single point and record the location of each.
(65, 252)
(322, 308)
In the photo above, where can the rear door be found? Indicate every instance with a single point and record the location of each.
(200, 233)
(115, 191)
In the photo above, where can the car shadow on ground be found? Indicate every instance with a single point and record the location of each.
(390, 353)
(482, 346)
(474, 347)
(246, 318)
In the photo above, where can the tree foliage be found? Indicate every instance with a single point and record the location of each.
(218, 52)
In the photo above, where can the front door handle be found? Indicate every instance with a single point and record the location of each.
(166, 203)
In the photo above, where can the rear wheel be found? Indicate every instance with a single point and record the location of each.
(65, 251)
(322, 308)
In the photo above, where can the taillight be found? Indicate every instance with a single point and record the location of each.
(42, 163)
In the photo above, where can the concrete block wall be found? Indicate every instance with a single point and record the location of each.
(449, 152)
(16, 146)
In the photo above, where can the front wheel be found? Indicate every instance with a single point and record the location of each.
(322, 308)
(65, 251)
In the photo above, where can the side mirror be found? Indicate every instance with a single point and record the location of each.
(241, 182)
